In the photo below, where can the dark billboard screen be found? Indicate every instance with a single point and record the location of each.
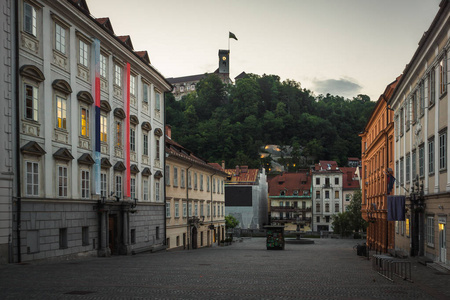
(238, 196)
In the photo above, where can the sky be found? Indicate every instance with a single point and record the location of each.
(341, 47)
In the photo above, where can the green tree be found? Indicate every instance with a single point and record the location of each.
(351, 220)
(231, 222)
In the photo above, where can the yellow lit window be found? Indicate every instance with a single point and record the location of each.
(85, 122)
(103, 129)
(407, 226)
(61, 112)
(119, 134)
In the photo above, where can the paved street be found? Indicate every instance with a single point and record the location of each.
(328, 269)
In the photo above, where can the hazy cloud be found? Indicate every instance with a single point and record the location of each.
(341, 87)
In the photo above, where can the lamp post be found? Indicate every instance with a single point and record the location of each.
(417, 208)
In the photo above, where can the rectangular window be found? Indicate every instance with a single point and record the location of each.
(443, 151)
(177, 210)
(84, 122)
(132, 139)
(145, 92)
(432, 86)
(336, 194)
(157, 190)
(402, 170)
(207, 183)
(430, 231)
(317, 194)
(157, 149)
(132, 85)
(32, 179)
(167, 175)
(168, 210)
(84, 54)
(182, 183)
(397, 172)
(184, 210)
(61, 112)
(189, 180)
(317, 180)
(336, 180)
(60, 38)
(408, 167)
(103, 65)
(201, 210)
(157, 101)
(118, 75)
(214, 185)
(119, 187)
(119, 134)
(443, 75)
(327, 194)
(195, 209)
(132, 188)
(31, 102)
(422, 98)
(145, 189)
(402, 121)
(336, 207)
(85, 188)
(214, 210)
(407, 226)
(195, 181)
(103, 128)
(175, 176)
(201, 182)
(103, 185)
(421, 161)
(29, 19)
(62, 181)
(431, 156)
(145, 144)
(208, 211)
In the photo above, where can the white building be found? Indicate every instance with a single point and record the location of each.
(91, 149)
(327, 194)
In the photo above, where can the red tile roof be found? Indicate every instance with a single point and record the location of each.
(291, 182)
(242, 175)
(326, 165)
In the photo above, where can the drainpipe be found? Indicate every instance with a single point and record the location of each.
(17, 116)
(211, 209)
(387, 167)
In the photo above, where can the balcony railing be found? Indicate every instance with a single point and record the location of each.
(290, 209)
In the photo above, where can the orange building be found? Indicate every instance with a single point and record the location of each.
(377, 143)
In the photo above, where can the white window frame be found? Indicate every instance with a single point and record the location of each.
(443, 150)
(63, 181)
(83, 53)
(157, 190)
(430, 231)
(103, 184)
(167, 209)
(29, 19)
(145, 189)
(85, 180)
(177, 210)
(103, 66)
(175, 176)
(132, 139)
(33, 99)
(84, 127)
(103, 128)
(118, 75)
(167, 175)
(32, 178)
(118, 186)
(133, 188)
(431, 156)
(184, 209)
(60, 38)
(61, 113)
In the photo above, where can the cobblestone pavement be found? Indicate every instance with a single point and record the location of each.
(328, 269)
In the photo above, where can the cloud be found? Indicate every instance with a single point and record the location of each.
(341, 87)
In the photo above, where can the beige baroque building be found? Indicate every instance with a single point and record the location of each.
(420, 103)
(195, 199)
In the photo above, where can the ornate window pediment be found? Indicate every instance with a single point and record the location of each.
(32, 72)
(119, 166)
(105, 163)
(134, 169)
(146, 126)
(86, 159)
(158, 132)
(118, 112)
(146, 172)
(62, 86)
(134, 120)
(85, 97)
(32, 148)
(63, 154)
(158, 174)
(104, 106)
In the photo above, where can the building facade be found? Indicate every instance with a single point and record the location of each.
(91, 144)
(7, 125)
(377, 141)
(326, 194)
(195, 199)
(246, 197)
(350, 185)
(420, 103)
(290, 201)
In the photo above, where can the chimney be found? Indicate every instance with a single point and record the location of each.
(169, 131)
(223, 164)
(237, 170)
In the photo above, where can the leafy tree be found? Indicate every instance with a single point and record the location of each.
(231, 222)
(351, 220)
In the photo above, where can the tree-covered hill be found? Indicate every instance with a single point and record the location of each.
(232, 122)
